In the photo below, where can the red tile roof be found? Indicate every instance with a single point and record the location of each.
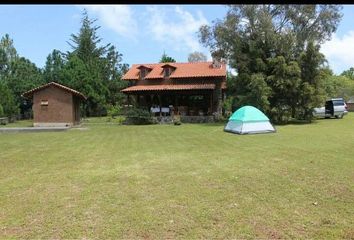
(182, 70)
(169, 87)
(30, 93)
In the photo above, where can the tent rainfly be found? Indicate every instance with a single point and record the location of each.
(247, 120)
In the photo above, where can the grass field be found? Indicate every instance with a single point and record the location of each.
(188, 181)
(23, 123)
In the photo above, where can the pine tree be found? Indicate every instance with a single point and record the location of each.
(93, 69)
(53, 69)
(166, 59)
(311, 91)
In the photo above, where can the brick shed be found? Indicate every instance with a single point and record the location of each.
(55, 105)
(350, 104)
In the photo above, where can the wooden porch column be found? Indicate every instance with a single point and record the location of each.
(211, 102)
(175, 107)
(151, 99)
(128, 99)
(159, 96)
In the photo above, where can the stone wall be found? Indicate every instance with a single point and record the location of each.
(185, 119)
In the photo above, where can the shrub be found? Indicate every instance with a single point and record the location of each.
(118, 119)
(177, 120)
(280, 114)
(113, 110)
(138, 116)
(1, 111)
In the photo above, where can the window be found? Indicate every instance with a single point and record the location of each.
(338, 102)
(167, 72)
(142, 73)
(44, 103)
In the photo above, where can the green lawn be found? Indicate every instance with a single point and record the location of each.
(23, 123)
(188, 181)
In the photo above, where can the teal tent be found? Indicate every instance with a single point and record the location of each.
(249, 119)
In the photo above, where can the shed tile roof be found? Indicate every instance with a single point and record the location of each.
(170, 87)
(182, 70)
(30, 93)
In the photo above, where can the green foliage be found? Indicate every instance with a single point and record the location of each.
(24, 76)
(271, 47)
(138, 116)
(228, 105)
(177, 120)
(3, 62)
(259, 92)
(8, 104)
(2, 114)
(284, 79)
(17, 75)
(92, 69)
(348, 73)
(311, 89)
(113, 110)
(166, 59)
(53, 70)
(7, 46)
(250, 90)
(338, 86)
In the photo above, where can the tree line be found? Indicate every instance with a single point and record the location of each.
(90, 67)
(275, 50)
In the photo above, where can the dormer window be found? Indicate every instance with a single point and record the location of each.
(167, 70)
(143, 71)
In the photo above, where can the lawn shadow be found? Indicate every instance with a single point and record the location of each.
(214, 124)
(298, 122)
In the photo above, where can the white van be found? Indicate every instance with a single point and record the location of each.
(336, 107)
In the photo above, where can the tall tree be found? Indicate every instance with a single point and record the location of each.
(114, 70)
(8, 54)
(337, 86)
(93, 69)
(166, 59)
(17, 75)
(53, 69)
(197, 57)
(284, 80)
(253, 37)
(3, 63)
(24, 76)
(311, 89)
(8, 104)
(6, 43)
(348, 73)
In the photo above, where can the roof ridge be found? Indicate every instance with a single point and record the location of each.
(172, 63)
(56, 84)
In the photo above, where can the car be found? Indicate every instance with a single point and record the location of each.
(335, 107)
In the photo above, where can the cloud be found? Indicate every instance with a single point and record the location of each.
(119, 18)
(178, 29)
(339, 52)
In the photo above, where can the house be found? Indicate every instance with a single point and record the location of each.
(186, 89)
(55, 105)
(350, 104)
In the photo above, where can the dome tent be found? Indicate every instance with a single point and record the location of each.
(249, 119)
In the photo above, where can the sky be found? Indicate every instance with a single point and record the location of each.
(140, 32)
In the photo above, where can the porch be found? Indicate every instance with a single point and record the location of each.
(184, 119)
(182, 103)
